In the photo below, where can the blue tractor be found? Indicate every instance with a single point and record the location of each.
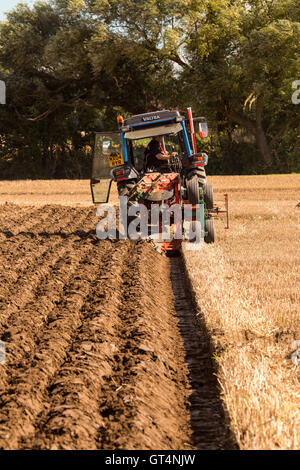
(120, 157)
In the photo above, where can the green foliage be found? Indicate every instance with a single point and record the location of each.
(73, 65)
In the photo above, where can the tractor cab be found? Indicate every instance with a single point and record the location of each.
(119, 156)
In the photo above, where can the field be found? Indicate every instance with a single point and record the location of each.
(250, 305)
(105, 347)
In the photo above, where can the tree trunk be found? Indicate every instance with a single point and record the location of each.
(297, 144)
(256, 129)
(263, 145)
(260, 135)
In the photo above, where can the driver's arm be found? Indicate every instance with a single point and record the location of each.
(162, 156)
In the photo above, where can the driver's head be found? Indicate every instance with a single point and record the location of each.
(159, 138)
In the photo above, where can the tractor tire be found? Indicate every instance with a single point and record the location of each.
(209, 196)
(195, 226)
(193, 191)
(210, 231)
(201, 174)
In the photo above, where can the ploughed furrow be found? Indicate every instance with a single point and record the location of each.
(8, 211)
(18, 250)
(112, 377)
(15, 219)
(210, 430)
(15, 238)
(13, 216)
(28, 306)
(101, 353)
(37, 311)
(73, 418)
(25, 396)
(22, 280)
(144, 400)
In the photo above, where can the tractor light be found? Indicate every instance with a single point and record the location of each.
(198, 159)
(119, 173)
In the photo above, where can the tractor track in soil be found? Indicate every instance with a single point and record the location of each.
(94, 352)
(207, 417)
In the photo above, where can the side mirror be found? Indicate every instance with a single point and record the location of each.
(203, 130)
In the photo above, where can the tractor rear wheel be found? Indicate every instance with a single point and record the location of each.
(209, 196)
(195, 231)
(210, 231)
(193, 190)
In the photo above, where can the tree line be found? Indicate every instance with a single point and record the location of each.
(71, 66)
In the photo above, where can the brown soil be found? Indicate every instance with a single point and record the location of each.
(94, 354)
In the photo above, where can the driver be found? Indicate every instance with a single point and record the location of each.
(155, 155)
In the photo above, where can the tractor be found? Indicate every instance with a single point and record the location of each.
(180, 185)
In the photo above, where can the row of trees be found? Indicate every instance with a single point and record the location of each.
(71, 66)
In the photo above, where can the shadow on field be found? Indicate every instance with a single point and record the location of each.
(78, 233)
(208, 418)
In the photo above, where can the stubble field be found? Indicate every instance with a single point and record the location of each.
(247, 290)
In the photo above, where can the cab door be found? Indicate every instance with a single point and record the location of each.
(107, 154)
